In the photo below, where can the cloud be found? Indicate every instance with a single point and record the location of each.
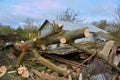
(37, 5)
(104, 8)
(46, 4)
(17, 11)
(36, 8)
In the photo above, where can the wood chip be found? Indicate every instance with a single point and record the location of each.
(86, 33)
(60, 25)
(23, 72)
(20, 70)
(63, 40)
(43, 47)
(3, 70)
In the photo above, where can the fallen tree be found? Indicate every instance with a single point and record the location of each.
(56, 36)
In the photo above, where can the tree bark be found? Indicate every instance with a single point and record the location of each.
(63, 37)
(46, 76)
(22, 55)
(50, 65)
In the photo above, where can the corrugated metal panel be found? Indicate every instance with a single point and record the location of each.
(72, 26)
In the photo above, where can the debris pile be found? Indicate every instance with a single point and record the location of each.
(56, 56)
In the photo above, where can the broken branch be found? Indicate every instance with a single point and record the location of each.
(47, 76)
(99, 55)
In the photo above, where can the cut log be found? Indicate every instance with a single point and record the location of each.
(63, 40)
(60, 25)
(23, 72)
(62, 36)
(43, 47)
(55, 36)
(34, 39)
(3, 70)
(75, 34)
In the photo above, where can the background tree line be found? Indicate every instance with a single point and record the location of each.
(68, 15)
(30, 30)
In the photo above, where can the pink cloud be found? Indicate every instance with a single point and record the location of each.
(20, 8)
(36, 5)
(46, 4)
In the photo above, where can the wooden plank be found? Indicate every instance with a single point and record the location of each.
(107, 48)
(112, 54)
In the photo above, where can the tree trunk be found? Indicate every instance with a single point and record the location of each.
(51, 65)
(62, 37)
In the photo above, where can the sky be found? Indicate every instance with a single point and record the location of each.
(15, 12)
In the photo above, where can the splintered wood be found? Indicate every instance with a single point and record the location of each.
(86, 33)
(60, 25)
(107, 49)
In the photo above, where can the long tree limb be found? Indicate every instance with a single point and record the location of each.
(46, 76)
(99, 55)
(20, 58)
(81, 64)
(62, 37)
(50, 65)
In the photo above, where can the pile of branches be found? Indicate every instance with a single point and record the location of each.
(11, 37)
(57, 35)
